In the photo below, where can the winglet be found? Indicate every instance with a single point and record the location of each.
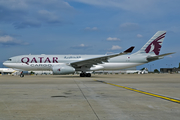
(129, 50)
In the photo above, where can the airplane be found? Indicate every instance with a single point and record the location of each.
(145, 71)
(132, 71)
(69, 64)
(7, 70)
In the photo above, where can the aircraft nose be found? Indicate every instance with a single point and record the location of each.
(4, 63)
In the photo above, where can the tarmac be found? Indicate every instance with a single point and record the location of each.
(100, 97)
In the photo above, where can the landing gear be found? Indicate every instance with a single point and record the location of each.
(88, 74)
(85, 74)
(82, 74)
(22, 75)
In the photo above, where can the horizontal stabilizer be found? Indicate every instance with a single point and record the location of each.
(152, 58)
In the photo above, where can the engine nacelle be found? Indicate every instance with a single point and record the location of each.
(62, 70)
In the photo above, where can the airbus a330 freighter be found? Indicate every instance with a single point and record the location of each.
(69, 64)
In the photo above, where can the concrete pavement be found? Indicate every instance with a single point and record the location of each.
(70, 97)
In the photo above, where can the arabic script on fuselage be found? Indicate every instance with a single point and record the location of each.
(72, 57)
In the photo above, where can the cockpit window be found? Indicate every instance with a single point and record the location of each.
(9, 60)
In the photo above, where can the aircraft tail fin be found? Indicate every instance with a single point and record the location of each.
(153, 46)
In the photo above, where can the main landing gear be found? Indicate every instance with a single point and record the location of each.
(85, 74)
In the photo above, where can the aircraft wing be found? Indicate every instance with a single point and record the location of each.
(98, 60)
(152, 58)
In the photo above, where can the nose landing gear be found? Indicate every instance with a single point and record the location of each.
(22, 75)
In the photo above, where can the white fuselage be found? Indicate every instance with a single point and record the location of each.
(46, 62)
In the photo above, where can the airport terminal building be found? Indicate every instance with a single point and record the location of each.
(170, 70)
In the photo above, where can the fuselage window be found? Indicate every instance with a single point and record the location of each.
(9, 59)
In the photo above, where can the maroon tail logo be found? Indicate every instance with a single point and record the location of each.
(155, 45)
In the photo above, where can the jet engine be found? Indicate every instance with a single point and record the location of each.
(62, 70)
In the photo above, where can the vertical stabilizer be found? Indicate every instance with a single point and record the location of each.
(153, 46)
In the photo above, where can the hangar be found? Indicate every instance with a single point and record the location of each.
(170, 70)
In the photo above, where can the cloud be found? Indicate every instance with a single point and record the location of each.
(91, 29)
(6, 39)
(81, 46)
(26, 24)
(129, 26)
(112, 39)
(10, 41)
(94, 28)
(48, 16)
(116, 47)
(33, 13)
(139, 36)
(138, 6)
(109, 52)
(170, 56)
(122, 4)
(2, 33)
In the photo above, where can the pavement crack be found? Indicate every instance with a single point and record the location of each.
(86, 100)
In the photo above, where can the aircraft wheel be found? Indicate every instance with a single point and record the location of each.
(82, 74)
(21, 75)
(88, 74)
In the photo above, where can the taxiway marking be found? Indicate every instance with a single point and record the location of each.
(144, 92)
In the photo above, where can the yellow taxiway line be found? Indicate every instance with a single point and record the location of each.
(144, 92)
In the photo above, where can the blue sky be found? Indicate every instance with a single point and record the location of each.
(88, 27)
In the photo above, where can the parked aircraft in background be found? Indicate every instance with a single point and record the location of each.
(132, 71)
(7, 70)
(145, 71)
(68, 64)
(32, 72)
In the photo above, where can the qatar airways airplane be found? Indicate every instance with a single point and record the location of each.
(69, 64)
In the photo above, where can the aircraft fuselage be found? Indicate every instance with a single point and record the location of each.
(46, 62)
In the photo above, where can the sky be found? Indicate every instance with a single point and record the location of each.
(88, 27)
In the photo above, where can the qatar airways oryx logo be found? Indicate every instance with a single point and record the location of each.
(155, 45)
(28, 60)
